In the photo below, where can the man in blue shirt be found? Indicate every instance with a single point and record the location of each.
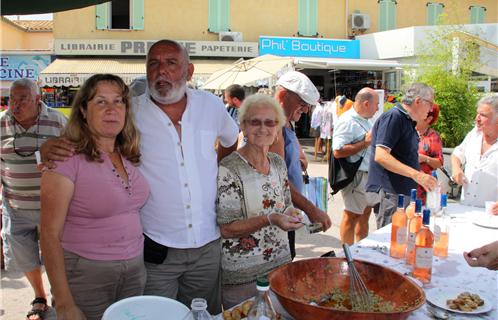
(394, 165)
(296, 93)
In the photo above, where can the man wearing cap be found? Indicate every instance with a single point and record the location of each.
(394, 165)
(296, 93)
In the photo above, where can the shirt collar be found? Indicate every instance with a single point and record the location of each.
(405, 113)
(356, 115)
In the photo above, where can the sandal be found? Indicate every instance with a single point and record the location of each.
(37, 314)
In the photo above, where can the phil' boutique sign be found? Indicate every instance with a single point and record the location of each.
(113, 47)
(309, 47)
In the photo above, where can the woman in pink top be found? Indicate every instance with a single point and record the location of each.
(91, 236)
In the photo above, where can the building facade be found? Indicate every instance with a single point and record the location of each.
(26, 50)
(115, 36)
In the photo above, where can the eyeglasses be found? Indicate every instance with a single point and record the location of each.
(258, 123)
(18, 100)
(300, 101)
(428, 101)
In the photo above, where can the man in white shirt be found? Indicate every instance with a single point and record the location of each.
(352, 137)
(179, 128)
(478, 154)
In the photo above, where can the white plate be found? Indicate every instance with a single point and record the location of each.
(438, 297)
(486, 220)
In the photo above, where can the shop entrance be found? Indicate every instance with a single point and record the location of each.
(331, 83)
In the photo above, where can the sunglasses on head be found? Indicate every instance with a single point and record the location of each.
(258, 123)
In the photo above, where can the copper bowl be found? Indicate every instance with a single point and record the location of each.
(296, 283)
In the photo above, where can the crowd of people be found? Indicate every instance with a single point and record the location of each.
(165, 191)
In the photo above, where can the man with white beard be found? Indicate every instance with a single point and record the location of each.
(179, 127)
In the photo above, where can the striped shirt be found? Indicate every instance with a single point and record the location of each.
(20, 176)
(234, 113)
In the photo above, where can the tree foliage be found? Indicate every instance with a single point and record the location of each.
(446, 63)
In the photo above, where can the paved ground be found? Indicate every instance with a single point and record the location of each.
(16, 292)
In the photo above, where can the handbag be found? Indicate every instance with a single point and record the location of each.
(315, 189)
(341, 172)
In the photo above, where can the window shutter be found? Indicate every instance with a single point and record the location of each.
(137, 10)
(477, 14)
(307, 19)
(387, 15)
(218, 15)
(102, 16)
(434, 12)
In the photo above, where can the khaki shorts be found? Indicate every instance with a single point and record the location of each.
(20, 239)
(354, 195)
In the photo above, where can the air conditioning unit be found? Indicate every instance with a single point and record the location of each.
(230, 36)
(360, 21)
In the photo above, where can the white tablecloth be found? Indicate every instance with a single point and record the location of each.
(452, 271)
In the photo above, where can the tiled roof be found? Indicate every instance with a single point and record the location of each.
(35, 25)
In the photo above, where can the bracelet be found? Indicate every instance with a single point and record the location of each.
(427, 159)
(268, 217)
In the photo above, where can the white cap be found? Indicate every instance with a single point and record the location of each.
(300, 84)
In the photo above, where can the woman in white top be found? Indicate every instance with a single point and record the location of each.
(478, 154)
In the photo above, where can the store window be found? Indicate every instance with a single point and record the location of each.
(391, 82)
(120, 15)
(434, 13)
(218, 15)
(307, 19)
(387, 14)
(477, 14)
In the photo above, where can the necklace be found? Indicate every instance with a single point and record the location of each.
(423, 134)
(116, 163)
(265, 168)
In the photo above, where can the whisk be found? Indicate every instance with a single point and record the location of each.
(361, 299)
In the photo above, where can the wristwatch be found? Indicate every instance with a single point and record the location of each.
(427, 159)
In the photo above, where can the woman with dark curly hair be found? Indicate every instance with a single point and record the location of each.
(91, 235)
(254, 208)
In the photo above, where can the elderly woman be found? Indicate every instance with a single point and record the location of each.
(478, 153)
(254, 203)
(430, 146)
(91, 235)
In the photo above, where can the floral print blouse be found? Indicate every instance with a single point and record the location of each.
(243, 193)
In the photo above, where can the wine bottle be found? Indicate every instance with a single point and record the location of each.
(424, 244)
(410, 210)
(442, 229)
(414, 226)
(398, 230)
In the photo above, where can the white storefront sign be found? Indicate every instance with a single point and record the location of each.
(113, 47)
(76, 80)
